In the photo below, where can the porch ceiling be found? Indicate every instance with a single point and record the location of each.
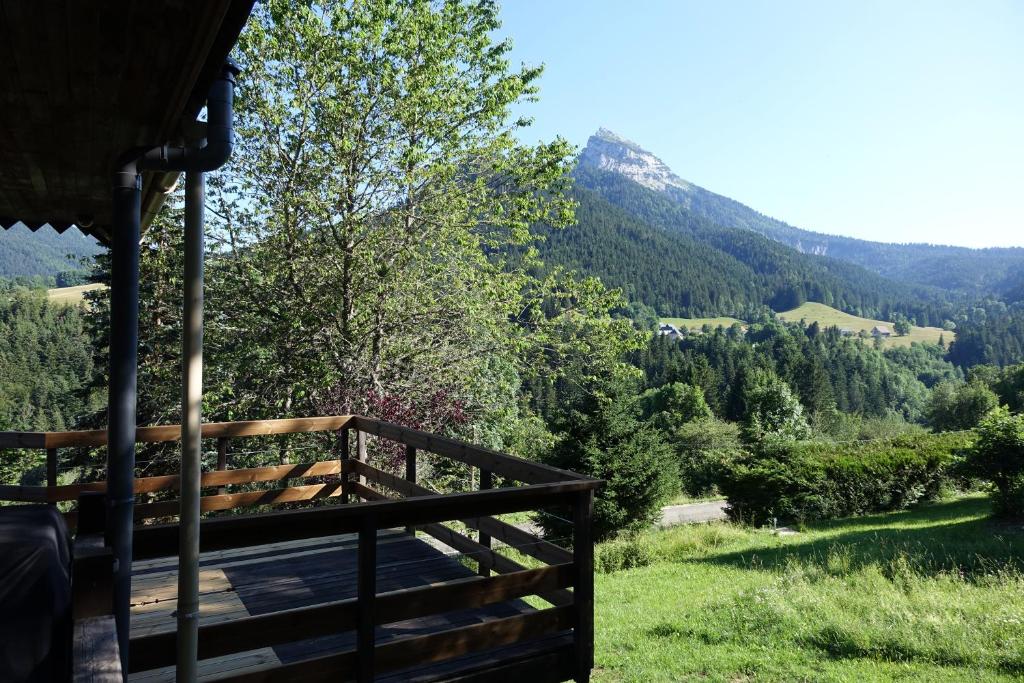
(81, 82)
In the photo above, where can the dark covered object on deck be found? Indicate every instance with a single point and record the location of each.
(35, 591)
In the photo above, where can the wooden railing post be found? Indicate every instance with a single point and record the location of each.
(410, 474)
(343, 455)
(486, 482)
(366, 593)
(583, 584)
(361, 452)
(51, 467)
(223, 443)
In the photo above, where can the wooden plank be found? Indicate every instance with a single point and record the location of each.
(344, 447)
(223, 443)
(24, 494)
(229, 501)
(171, 482)
(486, 482)
(500, 463)
(96, 658)
(366, 598)
(92, 577)
(583, 593)
(162, 433)
(51, 467)
(242, 530)
(523, 541)
(479, 553)
(361, 452)
(542, 664)
(419, 650)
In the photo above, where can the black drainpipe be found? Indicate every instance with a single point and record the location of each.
(124, 322)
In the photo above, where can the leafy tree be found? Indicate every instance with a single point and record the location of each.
(1010, 387)
(902, 326)
(998, 456)
(705, 449)
(955, 406)
(773, 412)
(673, 405)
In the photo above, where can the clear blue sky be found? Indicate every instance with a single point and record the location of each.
(889, 120)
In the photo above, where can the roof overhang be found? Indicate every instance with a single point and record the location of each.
(82, 82)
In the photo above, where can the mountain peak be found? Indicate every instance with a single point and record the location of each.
(609, 151)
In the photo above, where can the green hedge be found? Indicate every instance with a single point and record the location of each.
(821, 480)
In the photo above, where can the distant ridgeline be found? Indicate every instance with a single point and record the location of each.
(44, 257)
(688, 252)
(682, 264)
(977, 272)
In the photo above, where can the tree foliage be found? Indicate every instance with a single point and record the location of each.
(998, 456)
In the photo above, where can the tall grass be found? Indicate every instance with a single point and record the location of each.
(930, 594)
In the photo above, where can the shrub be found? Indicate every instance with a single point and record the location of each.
(705, 449)
(624, 554)
(604, 439)
(998, 456)
(799, 481)
(960, 406)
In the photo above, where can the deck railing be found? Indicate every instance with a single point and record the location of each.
(560, 577)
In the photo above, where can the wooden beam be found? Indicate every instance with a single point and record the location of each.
(583, 593)
(483, 555)
(500, 463)
(171, 481)
(413, 651)
(96, 658)
(229, 501)
(523, 541)
(163, 433)
(255, 529)
(366, 598)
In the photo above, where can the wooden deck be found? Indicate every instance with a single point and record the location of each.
(274, 577)
(333, 588)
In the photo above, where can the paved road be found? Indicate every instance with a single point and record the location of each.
(671, 515)
(692, 513)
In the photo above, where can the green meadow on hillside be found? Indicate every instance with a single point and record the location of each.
(826, 316)
(71, 295)
(698, 323)
(931, 594)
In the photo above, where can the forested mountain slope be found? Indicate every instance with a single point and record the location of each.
(959, 269)
(45, 252)
(667, 257)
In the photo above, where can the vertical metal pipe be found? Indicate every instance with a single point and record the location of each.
(191, 421)
(124, 348)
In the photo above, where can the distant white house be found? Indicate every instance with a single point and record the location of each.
(881, 331)
(670, 331)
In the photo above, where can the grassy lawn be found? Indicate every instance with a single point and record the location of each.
(933, 594)
(71, 296)
(826, 316)
(698, 323)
